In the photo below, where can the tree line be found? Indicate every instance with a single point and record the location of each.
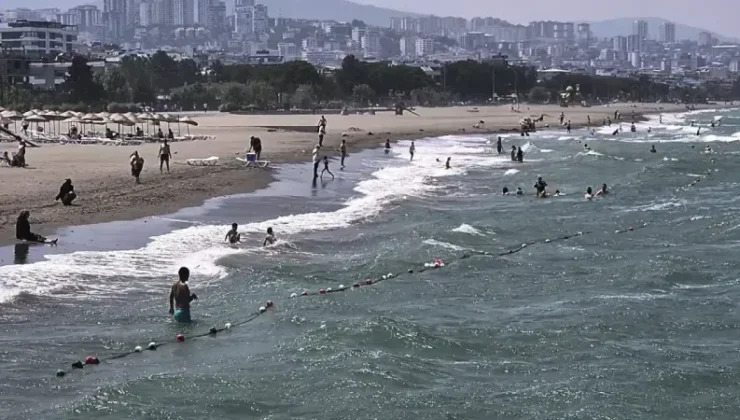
(184, 84)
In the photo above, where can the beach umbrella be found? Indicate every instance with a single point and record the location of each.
(91, 117)
(104, 114)
(30, 113)
(12, 115)
(35, 118)
(68, 114)
(2, 109)
(188, 121)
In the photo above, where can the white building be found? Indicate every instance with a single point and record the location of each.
(371, 43)
(424, 47)
(288, 50)
(259, 19)
(358, 33)
(36, 39)
(408, 46)
(310, 43)
(184, 11)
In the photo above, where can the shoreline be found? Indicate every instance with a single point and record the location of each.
(110, 194)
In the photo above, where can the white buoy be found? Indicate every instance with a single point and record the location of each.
(293, 295)
(138, 349)
(341, 286)
(547, 241)
(228, 325)
(328, 289)
(383, 277)
(262, 309)
(389, 275)
(524, 245)
(616, 231)
(152, 346)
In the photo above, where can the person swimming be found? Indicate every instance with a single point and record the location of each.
(181, 297)
(540, 186)
(602, 191)
(519, 191)
(586, 148)
(233, 236)
(652, 149)
(506, 191)
(589, 193)
(447, 164)
(270, 238)
(557, 193)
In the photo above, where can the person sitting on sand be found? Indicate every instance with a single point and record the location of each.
(6, 159)
(23, 230)
(160, 134)
(20, 157)
(270, 238)
(181, 297)
(137, 164)
(66, 193)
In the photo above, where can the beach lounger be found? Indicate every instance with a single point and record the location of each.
(251, 161)
(211, 161)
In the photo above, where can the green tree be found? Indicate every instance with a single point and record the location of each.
(304, 97)
(164, 72)
(235, 94)
(116, 86)
(261, 94)
(79, 83)
(353, 73)
(363, 94)
(538, 94)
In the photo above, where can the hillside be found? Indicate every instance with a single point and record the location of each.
(613, 27)
(340, 10)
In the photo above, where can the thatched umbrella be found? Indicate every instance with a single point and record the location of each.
(36, 119)
(30, 113)
(13, 116)
(188, 121)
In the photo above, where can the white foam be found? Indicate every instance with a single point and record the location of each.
(466, 228)
(434, 242)
(200, 247)
(511, 171)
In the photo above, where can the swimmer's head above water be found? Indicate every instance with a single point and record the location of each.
(184, 274)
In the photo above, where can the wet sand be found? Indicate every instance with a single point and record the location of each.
(106, 190)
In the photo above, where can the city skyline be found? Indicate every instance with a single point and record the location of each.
(526, 11)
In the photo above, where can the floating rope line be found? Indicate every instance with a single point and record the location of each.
(436, 264)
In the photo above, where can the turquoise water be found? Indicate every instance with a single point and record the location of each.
(638, 324)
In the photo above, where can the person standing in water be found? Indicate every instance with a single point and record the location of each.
(540, 186)
(326, 168)
(499, 145)
(412, 150)
(387, 146)
(567, 126)
(513, 153)
(603, 191)
(180, 297)
(233, 236)
(447, 164)
(343, 151)
(270, 238)
(164, 155)
(316, 160)
(520, 155)
(652, 149)
(23, 230)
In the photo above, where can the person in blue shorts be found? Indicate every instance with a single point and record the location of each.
(181, 297)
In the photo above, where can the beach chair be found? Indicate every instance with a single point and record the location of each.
(211, 161)
(251, 161)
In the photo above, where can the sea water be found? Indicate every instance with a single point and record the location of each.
(638, 324)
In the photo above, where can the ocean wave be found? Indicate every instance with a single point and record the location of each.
(466, 228)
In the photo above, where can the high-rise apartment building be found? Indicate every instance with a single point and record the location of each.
(184, 12)
(371, 43)
(640, 28)
(114, 18)
(667, 32)
(424, 47)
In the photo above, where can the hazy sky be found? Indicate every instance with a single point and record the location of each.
(719, 16)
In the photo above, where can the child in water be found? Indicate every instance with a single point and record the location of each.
(270, 238)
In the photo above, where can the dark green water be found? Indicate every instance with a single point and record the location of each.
(636, 325)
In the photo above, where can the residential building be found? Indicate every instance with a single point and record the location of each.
(259, 19)
(288, 51)
(184, 13)
(424, 47)
(201, 11)
(619, 43)
(667, 32)
(114, 18)
(640, 28)
(371, 43)
(358, 33)
(408, 46)
(216, 21)
(38, 39)
(634, 43)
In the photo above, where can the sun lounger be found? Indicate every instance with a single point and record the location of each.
(249, 162)
(211, 161)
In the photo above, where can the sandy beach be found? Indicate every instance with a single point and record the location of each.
(106, 190)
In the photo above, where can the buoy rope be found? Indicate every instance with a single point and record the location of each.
(436, 264)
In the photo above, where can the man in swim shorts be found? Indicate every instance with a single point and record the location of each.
(270, 238)
(540, 186)
(233, 236)
(181, 297)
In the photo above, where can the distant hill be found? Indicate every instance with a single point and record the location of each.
(614, 27)
(340, 10)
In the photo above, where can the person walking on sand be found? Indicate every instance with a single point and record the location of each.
(322, 133)
(326, 168)
(164, 155)
(180, 297)
(316, 161)
(412, 150)
(137, 164)
(343, 151)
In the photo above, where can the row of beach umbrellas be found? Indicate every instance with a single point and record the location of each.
(71, 117)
